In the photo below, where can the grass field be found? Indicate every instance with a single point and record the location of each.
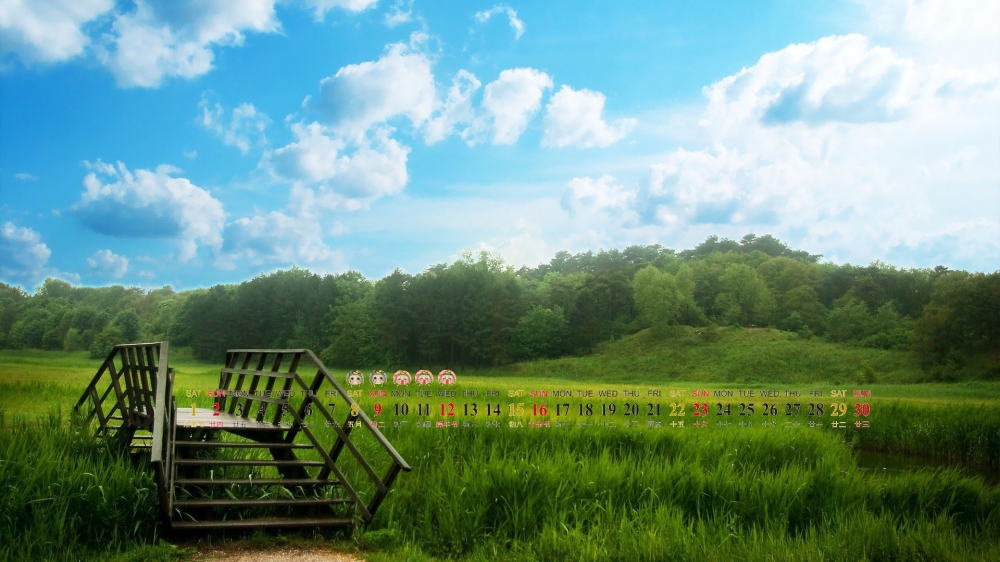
(578, 493)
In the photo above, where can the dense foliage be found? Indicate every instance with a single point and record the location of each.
(478, 311)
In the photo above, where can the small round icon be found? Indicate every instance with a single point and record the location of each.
(355, 378)
(424, 377)
(377, 377)
(447, 377)
(402, 378)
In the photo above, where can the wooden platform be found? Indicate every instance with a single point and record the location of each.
(203, 417)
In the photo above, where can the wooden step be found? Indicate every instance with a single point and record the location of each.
(242, 445)
(255, 482)
(298, 502)
(246, 462)
(264, 522)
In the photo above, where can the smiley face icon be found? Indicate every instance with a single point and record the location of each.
(424, 377)
(447, 377)
(355, 378)
(377, 377)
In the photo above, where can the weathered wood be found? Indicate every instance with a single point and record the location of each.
(282, 502)
(255, 482)
(245, 462)
(271, 522)
(243, 445)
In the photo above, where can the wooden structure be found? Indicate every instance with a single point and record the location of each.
(265, 449)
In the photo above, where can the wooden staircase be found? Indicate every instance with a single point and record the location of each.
(268, 453)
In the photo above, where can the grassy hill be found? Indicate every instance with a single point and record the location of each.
(739, 355)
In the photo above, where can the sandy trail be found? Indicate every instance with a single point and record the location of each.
(276, 555)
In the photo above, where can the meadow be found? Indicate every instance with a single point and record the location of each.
(577, 493)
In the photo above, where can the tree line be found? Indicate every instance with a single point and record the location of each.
(478, 311)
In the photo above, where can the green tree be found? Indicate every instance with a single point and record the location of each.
(542, 332)
(658, 297)
(849, 321)
(745, 298)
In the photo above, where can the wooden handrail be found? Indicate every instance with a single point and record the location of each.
(163, 392)
(361, 413)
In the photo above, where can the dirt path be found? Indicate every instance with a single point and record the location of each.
(276, 555)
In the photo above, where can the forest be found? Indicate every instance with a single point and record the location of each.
(478, 311)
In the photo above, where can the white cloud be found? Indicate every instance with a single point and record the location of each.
(278, 237)
(524, 249)
(162, 40)
(586, 195)
(846, 148)
(455, 110)
(21, 176)
(150, 204)
(837, 78)
(511, 101)
(347, 175)
(107, 263)
(47, 31)
(396, 16)
(245, 128)
(321, 7)
(361, 95)
(190, 154)
(503, 9)
(573, 118)
(146, 274)
(23, 255)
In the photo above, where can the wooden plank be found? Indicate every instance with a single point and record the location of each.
(244, 462)
(273, 522)
(283, 502)
(203, 417)
(255, 482)
(241, 445)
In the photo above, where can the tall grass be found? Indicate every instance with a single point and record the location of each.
(65, 496)
(958, 432)
(593, 494)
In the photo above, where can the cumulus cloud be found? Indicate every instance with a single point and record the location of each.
(321, 7)
(21, 176)
(245, 127)
(574, 118)
(47, 31)
(108, 264)
(347, 175)
(361, 95)
(158, 40)
(150, 204)
(837, 78)
(278, 237)
(510, 101)
(503, 9)
(586, 196)
(23, 255)
(455, 111)
(863, 172)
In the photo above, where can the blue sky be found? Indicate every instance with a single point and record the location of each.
(199, 142)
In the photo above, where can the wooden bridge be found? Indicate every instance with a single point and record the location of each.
(268, 452)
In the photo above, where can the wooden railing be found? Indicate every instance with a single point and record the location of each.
(256, 366)
(164, 409)
(128, 376)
